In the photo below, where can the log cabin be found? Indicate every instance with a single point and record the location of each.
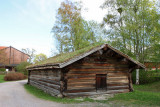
(86, 72)
(10, 57)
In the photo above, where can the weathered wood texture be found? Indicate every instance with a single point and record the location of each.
(80, 77)
(48, 81)
(83, 78)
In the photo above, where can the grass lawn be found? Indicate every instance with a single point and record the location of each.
(2, 78)
(40, 94)
(143, 95)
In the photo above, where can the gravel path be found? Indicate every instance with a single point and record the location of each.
(13, 94)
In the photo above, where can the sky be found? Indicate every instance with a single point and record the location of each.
(28, 23)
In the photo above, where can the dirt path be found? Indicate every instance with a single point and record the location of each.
(13, 94)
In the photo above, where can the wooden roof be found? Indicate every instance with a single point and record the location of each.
(69, 58)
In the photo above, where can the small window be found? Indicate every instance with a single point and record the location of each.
(101, 81)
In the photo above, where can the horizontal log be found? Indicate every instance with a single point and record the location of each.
(86, 76)
(99, 67)
(83, 87)
(48, 84)
(81, 90)
(43, 78)
(80, 84)
(117, 76)
(113, 82)
(50, 81)
(45, 88)
(117, 87)
(82, 74)
(100, 64)
(96, 72)
(109, 69)
(117, 84)
(81, 80)
(95, 93)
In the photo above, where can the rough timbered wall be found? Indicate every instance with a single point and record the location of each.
(80, 77)
(46, 80)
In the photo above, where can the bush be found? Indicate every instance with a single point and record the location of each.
(22, 68)
(2, 69)
(146, 77)
(14, 76)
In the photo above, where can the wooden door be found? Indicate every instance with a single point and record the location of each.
(100, 81)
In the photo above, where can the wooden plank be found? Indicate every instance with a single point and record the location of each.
(117, 81)
(109, 69)
(74, 78)
(80, 84)
(81, 80)
(100, 64)
(50, 81)
(117, 87)
(81, 90)
(117, 77)
(117, 84)
(95, 93)
(99, 67)
(117, 74)
(86, 76)
(81, 87)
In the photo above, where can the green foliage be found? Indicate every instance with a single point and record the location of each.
(22, 68)
(144, 95)
(2, 69)
(134, 26)
(2, 78)
(66, 56)
(40, 57)
(146, 76)
(31, 53)
(71, 31)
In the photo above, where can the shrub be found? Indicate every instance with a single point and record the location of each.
(2, 69)
(14, 76)
(146, 77)
(22, 68)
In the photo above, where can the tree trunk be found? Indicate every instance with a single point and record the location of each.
(137, 74)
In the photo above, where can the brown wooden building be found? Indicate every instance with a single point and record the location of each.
(89, 71)
(10, 57)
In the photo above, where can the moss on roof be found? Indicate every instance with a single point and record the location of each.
(60, 58)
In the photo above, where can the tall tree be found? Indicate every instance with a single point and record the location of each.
(134, 24)
(40, 57)
(31, 53)
(71, 31)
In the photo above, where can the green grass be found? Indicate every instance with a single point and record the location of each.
(65, 56)
(40, 94)
(2, 78)
(143, 95)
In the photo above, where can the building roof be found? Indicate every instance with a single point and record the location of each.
(2, 47)
(65, 59)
